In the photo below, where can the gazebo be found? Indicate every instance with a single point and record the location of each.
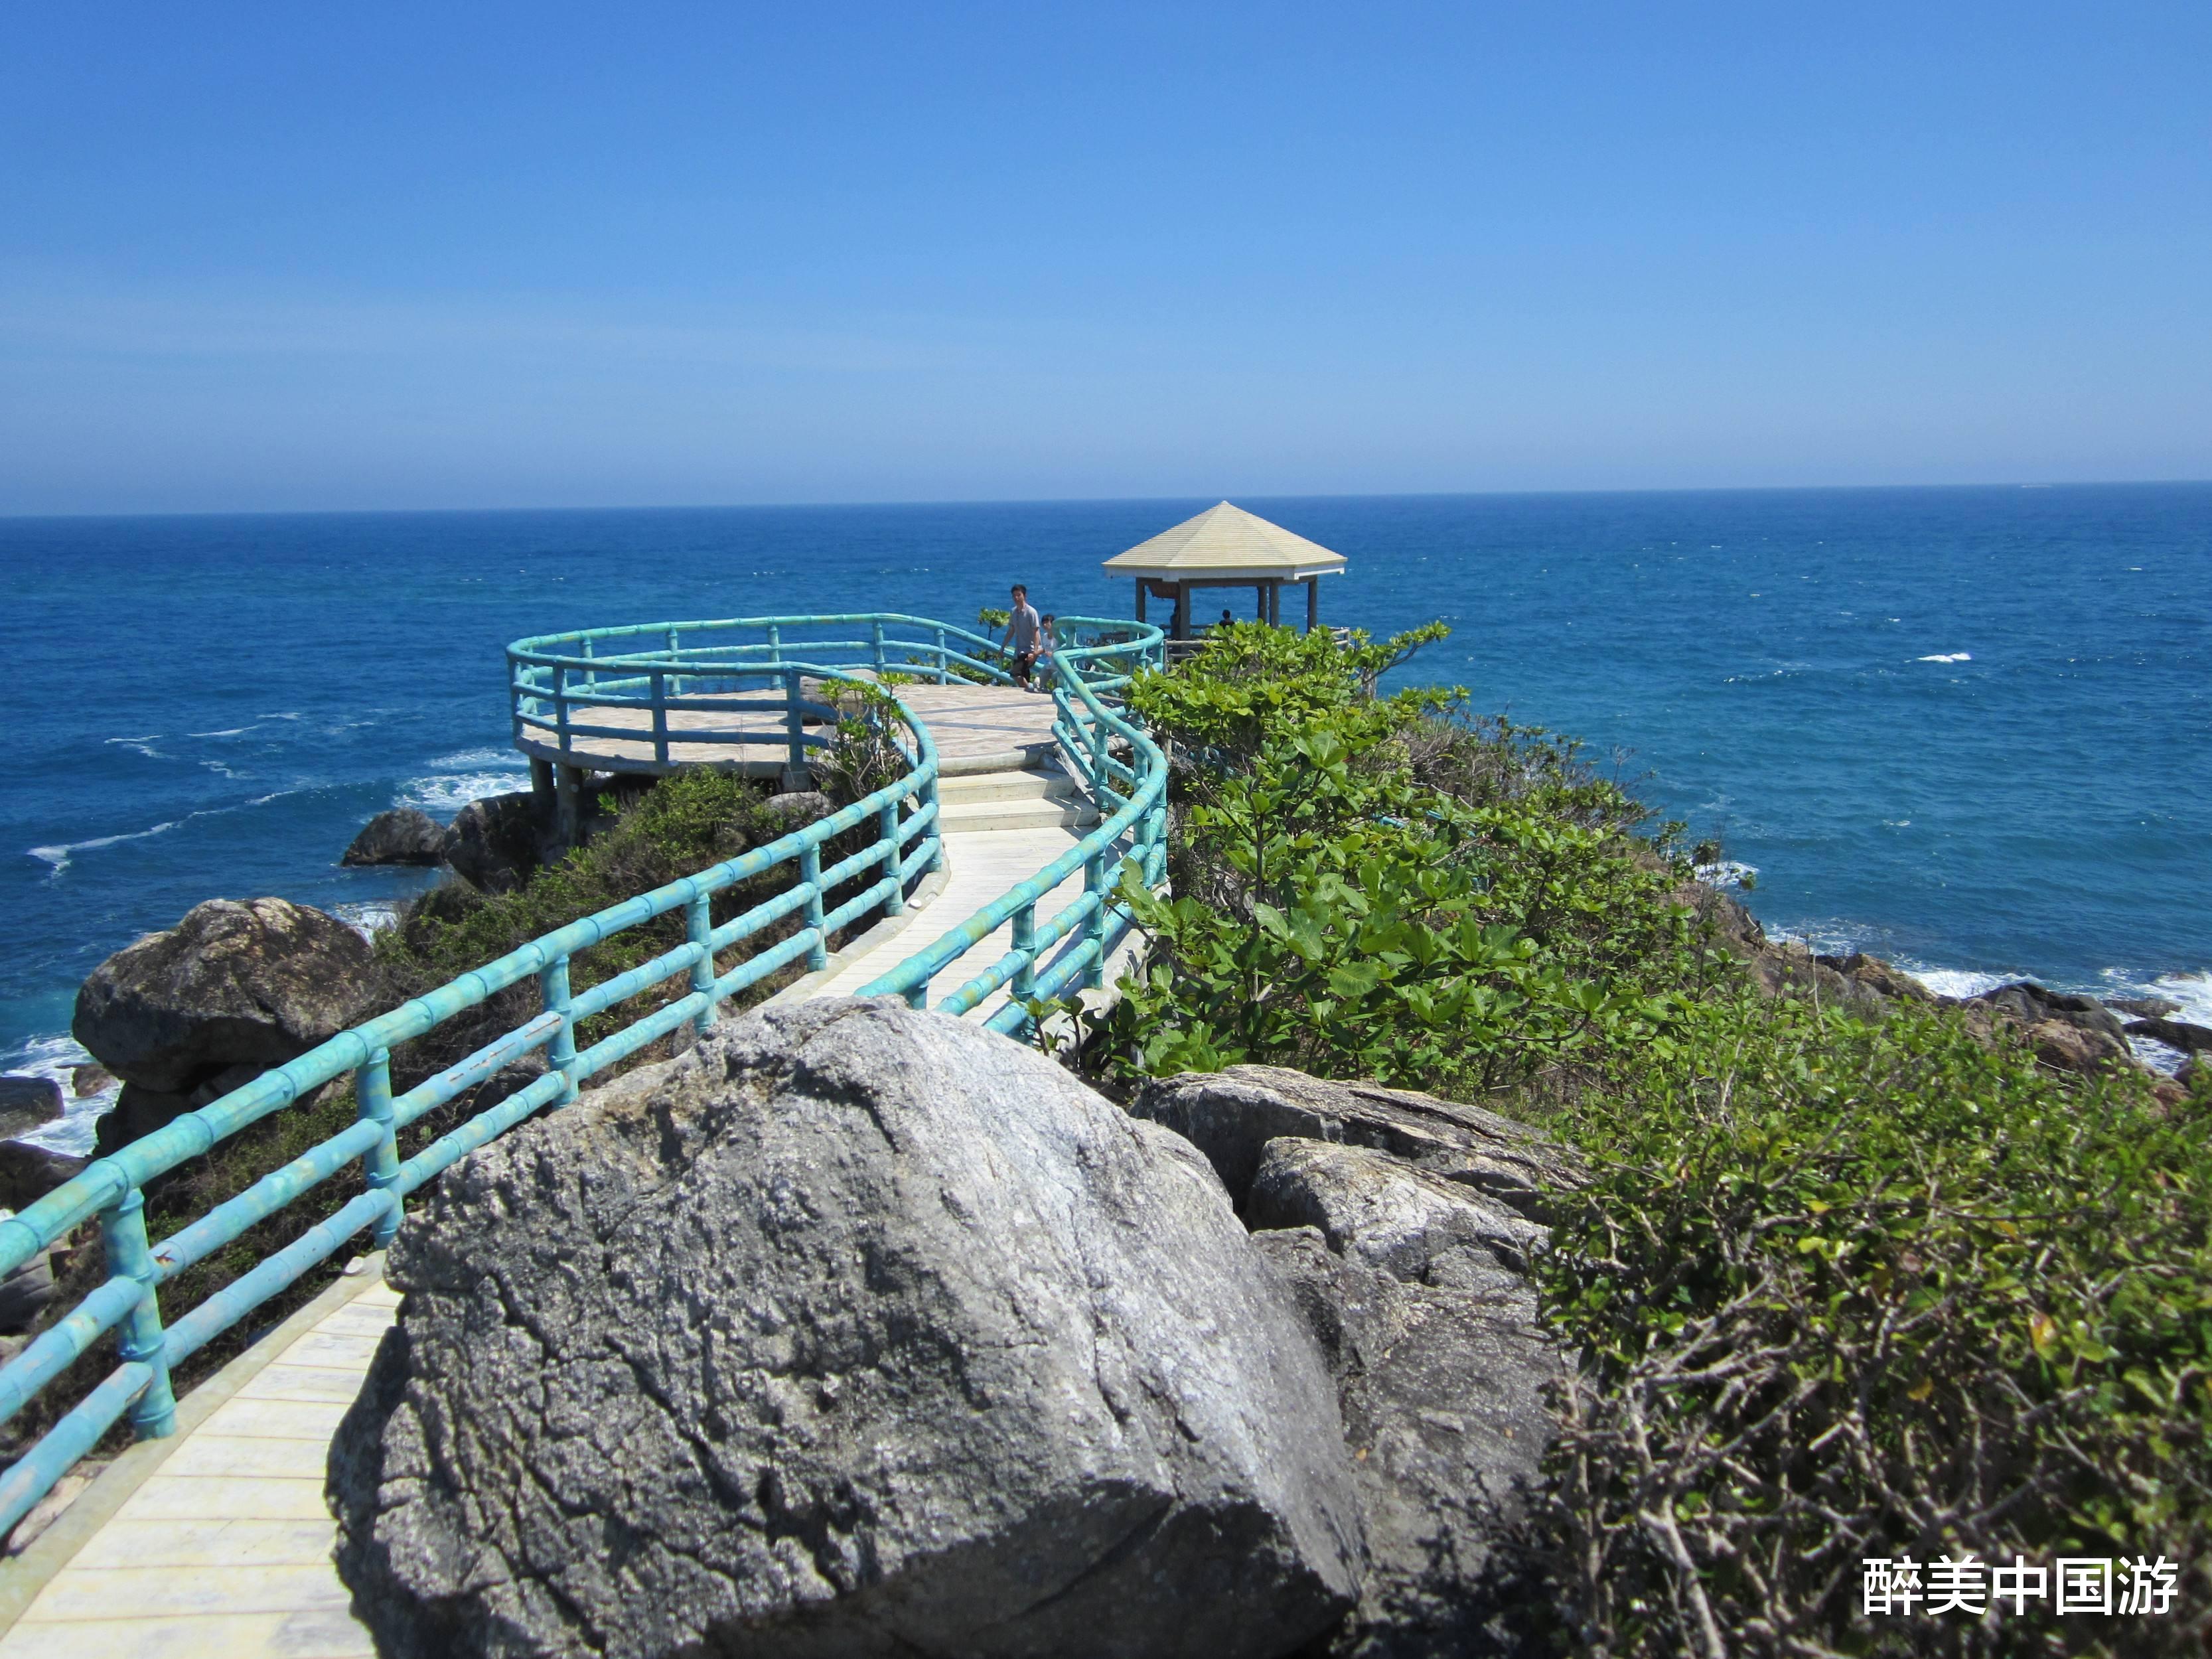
(1226, 546)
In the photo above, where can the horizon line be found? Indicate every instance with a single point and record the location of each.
(1086, 500)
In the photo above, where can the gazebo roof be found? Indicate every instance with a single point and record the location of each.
(1224, 542)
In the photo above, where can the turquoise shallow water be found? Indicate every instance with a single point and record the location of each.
(1968, 728)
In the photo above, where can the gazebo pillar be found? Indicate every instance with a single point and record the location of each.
(1143, 587)
(1182, 610)
(1313, 603)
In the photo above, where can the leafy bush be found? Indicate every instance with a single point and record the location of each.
(1377, 886)
(1846, 1291)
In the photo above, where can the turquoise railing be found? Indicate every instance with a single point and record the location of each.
(1131, 795)
(661, 669)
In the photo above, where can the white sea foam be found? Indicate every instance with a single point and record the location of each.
(447, 792)
(1728, 873)
(1957, 981)
(2192, 991)
(369, 917)
(56, 1057)
(59, 856)
(144, 746)
(475, 760)
(1948, 656)
(2156, 1055)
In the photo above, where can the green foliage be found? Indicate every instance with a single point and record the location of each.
(1334, 912)
(864, 755)
(1253, 680)
(1845, 1291)
(1835, 1289)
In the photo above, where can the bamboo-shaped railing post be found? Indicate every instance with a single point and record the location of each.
(122, 1235)
(887, 827)
(372, 1089)
(809, 874)
(699, 929)
(560, 1049)
(660, 716)
(876, 636)
(795, 775)
(1025, 985)
(1094, 924)
(942, 673)
(560, 704)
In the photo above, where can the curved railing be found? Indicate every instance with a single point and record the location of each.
(1132, 798)
(585, 698)
(663, 668)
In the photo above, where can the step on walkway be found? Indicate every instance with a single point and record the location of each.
(222, 1551)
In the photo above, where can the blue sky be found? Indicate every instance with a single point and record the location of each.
(292, 257)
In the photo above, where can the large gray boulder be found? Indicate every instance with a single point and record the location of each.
(1405, 1230)
(405, 834)
(855, 1330)
(255, 983)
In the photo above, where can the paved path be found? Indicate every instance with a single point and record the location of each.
(224, 1550)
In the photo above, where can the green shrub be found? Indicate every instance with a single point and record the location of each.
(1845, 1291)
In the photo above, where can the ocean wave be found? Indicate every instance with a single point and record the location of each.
(447, 792)
(58, 857)
(1950, 656)
(56, 1057)
(1960, 983)
(144, 746)
(477, 759)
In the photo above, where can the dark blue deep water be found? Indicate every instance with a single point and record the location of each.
(1970, 728)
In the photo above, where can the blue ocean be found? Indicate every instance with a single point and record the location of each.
(1970, 729)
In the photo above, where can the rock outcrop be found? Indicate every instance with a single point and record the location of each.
(495, 844)
(257, 982)
(235, 987)
(402, 835)
(2180, 1034)
(855, 1330)
(1404, 1225)
(2067, 1031)
(1878, 975)
(27, 1102)
(2143, 1007)
(794, 809)
(28, 1173)
(24, 1294)
(1231, 1115)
